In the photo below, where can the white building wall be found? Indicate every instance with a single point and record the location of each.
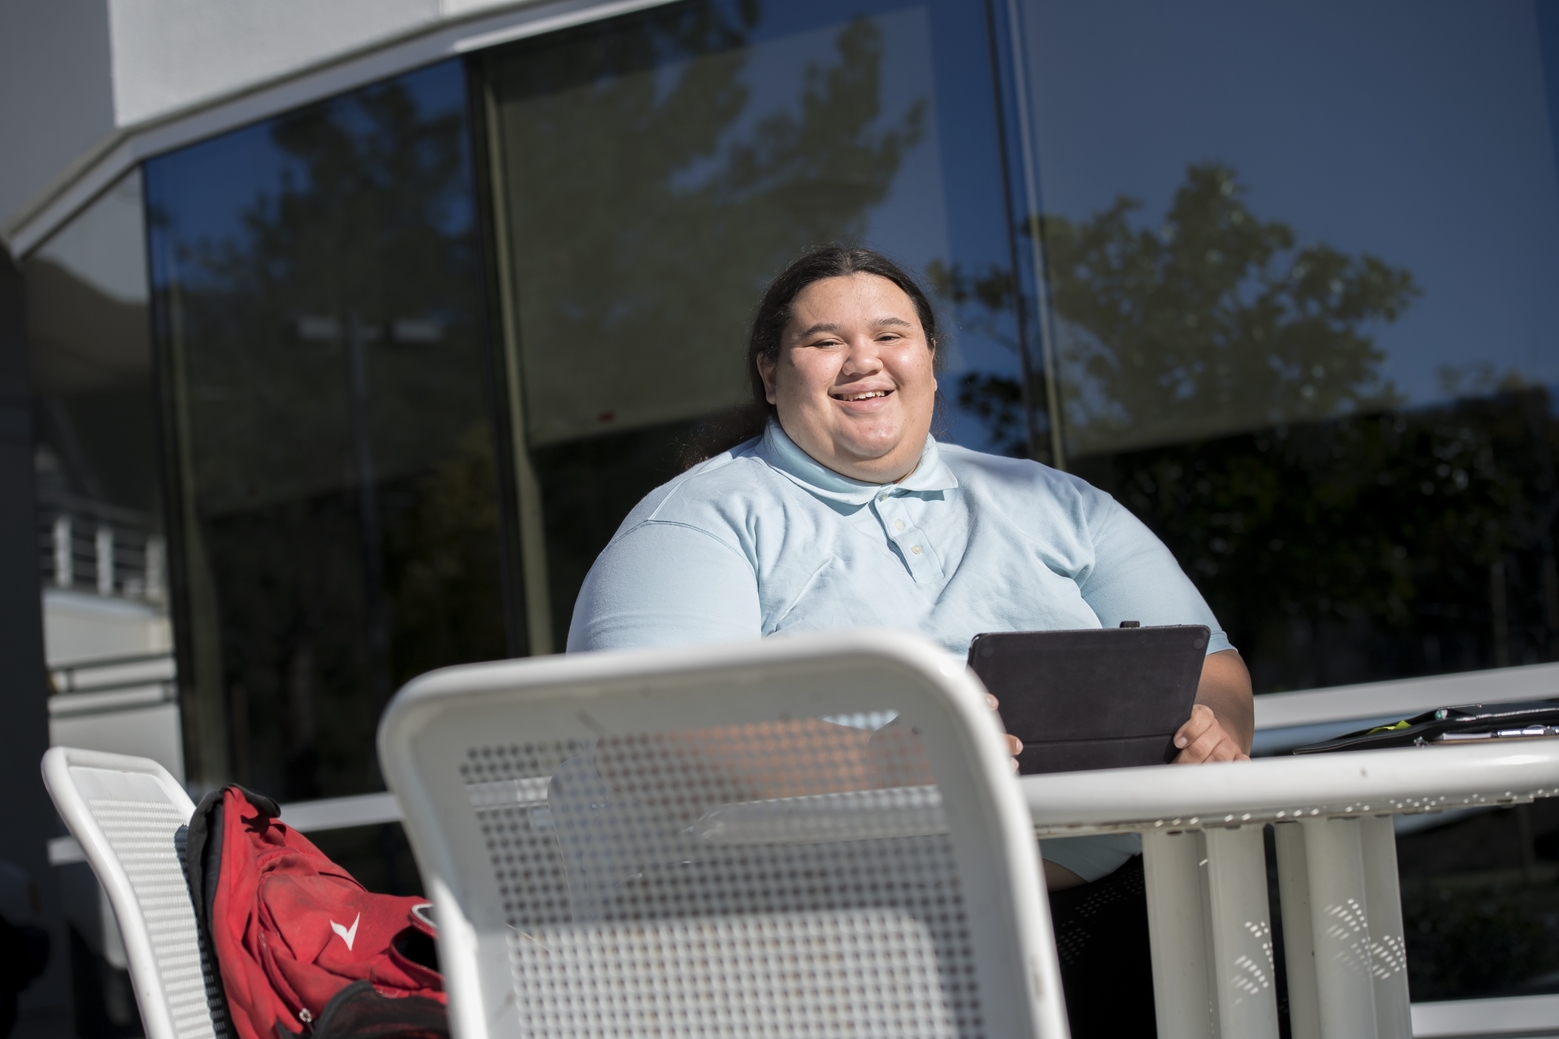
(121, 708)
(56, 93)
(79, 626)
(172, 55)
(77, 77)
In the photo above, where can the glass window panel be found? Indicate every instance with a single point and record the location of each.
(1366, 217)
(318, 284)
(668, 173)
(655, 171)
(1300, 262)
(101, 536)
(1302, 318)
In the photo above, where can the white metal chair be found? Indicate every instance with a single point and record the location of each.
(126, 813)
(808, 837)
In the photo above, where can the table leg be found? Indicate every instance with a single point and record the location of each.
(1339, 920)
(1304, 1005)
(1242, 969)
(1388, 948)
(1182, 997)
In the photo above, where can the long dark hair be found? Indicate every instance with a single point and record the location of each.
(768, 329)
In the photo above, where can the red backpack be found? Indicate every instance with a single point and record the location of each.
(302, 947)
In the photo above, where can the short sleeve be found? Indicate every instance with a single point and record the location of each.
(1135, 578)
(666, 584)
(1093, 857)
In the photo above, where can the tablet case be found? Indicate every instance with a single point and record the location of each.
(1093, 698)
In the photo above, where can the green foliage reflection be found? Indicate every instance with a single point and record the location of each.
(325, 337)
(655, 173)
(1217, 321)
(1366, 547)
(1222, 380)
(651, 195)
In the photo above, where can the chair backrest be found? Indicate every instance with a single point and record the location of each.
(814, 836)
(128, 815)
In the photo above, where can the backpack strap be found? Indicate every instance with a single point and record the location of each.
(359, 1012)
(201, 854)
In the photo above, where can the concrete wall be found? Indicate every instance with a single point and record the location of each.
(56, 92)
(170, 55)
(76, 74)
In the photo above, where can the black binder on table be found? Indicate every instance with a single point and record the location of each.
(1447, 726)
(1094, 698)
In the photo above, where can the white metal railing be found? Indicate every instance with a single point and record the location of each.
(101, 548)
(1288, 720)
(111, 684)
(125, 704)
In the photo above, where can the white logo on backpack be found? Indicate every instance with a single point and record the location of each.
(348, 935)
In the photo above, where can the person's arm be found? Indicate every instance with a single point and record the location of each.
(666, 584)
(1224, 718)
(1058, 877)
(1134, 577)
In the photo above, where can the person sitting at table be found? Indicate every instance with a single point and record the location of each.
(846, 512)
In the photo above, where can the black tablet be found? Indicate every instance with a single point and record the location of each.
(1095, 698)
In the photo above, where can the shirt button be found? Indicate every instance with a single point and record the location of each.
(915, 549)
(898, 524)
(882, 497)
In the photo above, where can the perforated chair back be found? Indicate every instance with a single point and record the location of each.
(127, 814)
(806, 837)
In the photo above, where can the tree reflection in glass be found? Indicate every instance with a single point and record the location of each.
(656, 171)
(1222, 380)
(318, 290)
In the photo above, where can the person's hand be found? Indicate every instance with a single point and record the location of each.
(1203, 738)
(1014, 745)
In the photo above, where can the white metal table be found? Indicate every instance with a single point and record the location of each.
(1213, 972)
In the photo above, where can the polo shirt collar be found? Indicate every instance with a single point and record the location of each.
(931, 474)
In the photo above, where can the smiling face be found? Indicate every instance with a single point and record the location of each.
(853, 383)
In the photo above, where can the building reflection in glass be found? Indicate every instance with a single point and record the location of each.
(101, 539)
(96, 417)
(319, 307)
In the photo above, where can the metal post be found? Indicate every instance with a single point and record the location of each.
(156, 571)
(1339, 921)
(104, 546)
(1304, 1005)
(1181, 994)
(1388, 946)
(63, 569)
(1243, 974)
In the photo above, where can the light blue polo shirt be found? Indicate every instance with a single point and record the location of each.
(764, 540)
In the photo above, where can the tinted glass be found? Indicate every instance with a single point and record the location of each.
(654, 172)
(1305, 327)
(102, 548)
(319, 296)
(1301, 263)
